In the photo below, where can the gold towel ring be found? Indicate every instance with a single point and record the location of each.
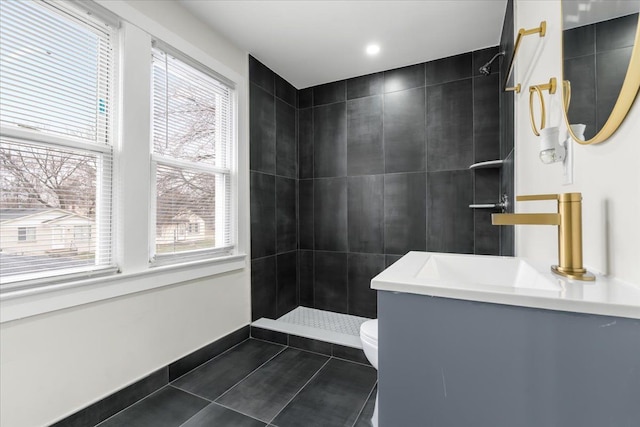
(532, 90)
(567, 94)
(551, 87)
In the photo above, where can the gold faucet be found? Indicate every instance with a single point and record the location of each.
(569, 222)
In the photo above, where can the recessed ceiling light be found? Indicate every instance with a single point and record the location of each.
(373, 49)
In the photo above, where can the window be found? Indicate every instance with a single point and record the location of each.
(191, 160)
(57, 85)
(26, 234)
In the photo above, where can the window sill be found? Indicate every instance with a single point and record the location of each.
(25, 303)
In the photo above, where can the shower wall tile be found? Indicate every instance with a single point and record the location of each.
(330, 140)
(305, 213)
(362, 86)
(486, 190)
(305, 143)
(507, 241)
(611, 69)
(366, 213)
(486, 186)
(286, 221)
(274, 193)
(616, 33)
(486, 236)
(329, 93)
(285, 139)
(305, 259)
(405, 213)
(450, 226)
(390, 259)
(507, 119)
(262, 130)
(263, 215)
(404, 131)
(330, 287)
(287, 282)
(362, 268)
(404, 78)
(263, 288)
(261, 75)
(581, 72)
(285, 91)
(481, 57)
(365, 154)
(448, 69)
(355, 182)
(305, 98)
(450, 126)
(486, 117)
(330, 214)
(579, 41)
(507, 123)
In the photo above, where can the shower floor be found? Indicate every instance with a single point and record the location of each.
(336, 328)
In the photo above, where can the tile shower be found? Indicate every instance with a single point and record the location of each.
(379, 166)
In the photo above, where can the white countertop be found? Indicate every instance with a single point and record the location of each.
(414, 274)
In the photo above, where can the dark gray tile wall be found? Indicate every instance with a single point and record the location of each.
(596, 59)
(507, 137)
(382, 169)
(274, 160)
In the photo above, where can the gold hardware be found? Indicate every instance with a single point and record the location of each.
(542, 30)
(537, 89)
(566, 96)
(515, 88)
(543, 112)
(527, 219)
(569, 222)
(630, 87)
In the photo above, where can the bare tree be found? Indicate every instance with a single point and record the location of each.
(38, 177)
(191, 136)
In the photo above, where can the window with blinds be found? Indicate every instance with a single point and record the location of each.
(56, 89)
(191, 161)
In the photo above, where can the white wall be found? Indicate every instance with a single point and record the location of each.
(54, 364)
(607, 174)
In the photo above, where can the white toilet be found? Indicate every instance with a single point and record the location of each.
(369, 338)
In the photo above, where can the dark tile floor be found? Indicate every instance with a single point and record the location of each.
(258, 384)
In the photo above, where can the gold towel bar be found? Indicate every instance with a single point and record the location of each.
(542, 30)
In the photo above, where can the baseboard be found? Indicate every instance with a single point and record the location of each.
(309, 344)
(121, 399)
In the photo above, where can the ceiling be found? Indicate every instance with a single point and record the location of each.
(315, 42)
(576, 13)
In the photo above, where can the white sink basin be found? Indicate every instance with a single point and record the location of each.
(506, 280)
(473, 270)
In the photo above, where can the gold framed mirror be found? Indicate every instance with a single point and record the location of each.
(601, 65)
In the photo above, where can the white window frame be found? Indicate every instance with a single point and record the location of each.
(220, 208)
(137, 31)
(35, 137)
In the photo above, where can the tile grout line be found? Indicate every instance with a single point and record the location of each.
(191, 393)
(365, 404)
(211, 359)
(251, 373)
(300, 390)
(130, 406)
(234, 410)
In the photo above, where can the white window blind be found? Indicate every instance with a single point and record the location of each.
(56, 91)
(191, 161)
